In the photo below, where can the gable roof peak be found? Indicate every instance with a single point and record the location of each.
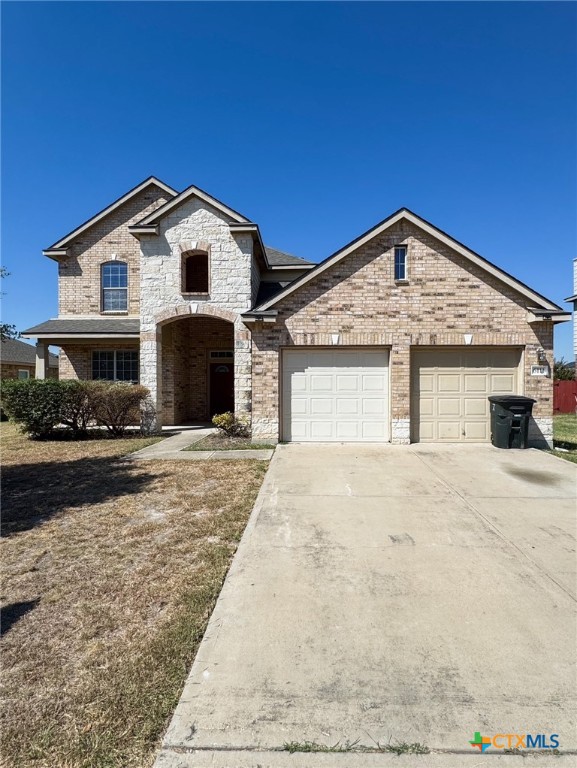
(59, 247)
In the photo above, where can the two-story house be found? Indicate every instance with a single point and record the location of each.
(398, 336)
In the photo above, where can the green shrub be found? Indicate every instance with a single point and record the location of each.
(78, 405)
(231, 425)
(117, 404)
(39, 405)
(35, 404)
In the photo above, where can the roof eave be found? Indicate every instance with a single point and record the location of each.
(182, 197)
(151, 180)
(434, 232)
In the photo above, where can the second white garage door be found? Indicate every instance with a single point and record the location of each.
(335, 395)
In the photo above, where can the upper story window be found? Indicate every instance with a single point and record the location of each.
(115, 286)
(195, 272)
(400, 262)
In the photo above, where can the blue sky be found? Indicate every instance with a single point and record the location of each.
(314, 119)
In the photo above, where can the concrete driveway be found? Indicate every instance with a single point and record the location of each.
(391, 594)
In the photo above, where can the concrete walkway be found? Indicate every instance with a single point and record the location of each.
(174, 448)
(391, 594)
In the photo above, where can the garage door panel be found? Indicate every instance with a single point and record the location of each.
(300, 406)
(449, 407)
(450, 388)
(335, 395)
(374, 430)
(321, 383)
(321, 406)
(447, 382)
(475, 406)
(449, 430)
(477, 431)
(347, 383)
(475, 382)
(348, 407)
(502, 383)
(376, 407)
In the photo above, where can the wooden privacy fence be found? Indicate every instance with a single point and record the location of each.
(565, 396)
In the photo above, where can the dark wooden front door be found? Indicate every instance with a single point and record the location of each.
(221, 388)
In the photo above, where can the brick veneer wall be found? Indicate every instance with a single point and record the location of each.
(75, 360)
(446, 296)
(79, 274)
(186, 344)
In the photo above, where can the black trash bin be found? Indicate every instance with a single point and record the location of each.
(510, 416)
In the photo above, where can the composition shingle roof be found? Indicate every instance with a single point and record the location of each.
(15, 351)
(278, 258)
(79, 326)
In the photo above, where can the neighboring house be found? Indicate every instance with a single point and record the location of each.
(399, 336)
(574, 300)
(18, 361)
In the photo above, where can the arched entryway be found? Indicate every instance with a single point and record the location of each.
(198, 378)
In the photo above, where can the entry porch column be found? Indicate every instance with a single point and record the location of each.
(151, 378)
(42, 359)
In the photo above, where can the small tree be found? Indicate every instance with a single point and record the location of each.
(7, 330)
(562, 371)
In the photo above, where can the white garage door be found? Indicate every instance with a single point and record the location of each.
(335, 395)
(450, 388)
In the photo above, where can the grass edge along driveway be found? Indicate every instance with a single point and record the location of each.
(110, 572)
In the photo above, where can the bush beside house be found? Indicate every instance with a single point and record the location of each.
(40, 405)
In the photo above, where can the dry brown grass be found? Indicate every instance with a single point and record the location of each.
(111, 570)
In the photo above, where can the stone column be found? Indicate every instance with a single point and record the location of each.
(41, 360)
(151, 378)
(400, 363)
(242, 369)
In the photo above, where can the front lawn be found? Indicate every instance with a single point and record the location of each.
(221, 442)
(565, 435)
(110, 572)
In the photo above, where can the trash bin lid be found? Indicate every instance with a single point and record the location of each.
(506, 400)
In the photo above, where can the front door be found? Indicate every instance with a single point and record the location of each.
(221, 388)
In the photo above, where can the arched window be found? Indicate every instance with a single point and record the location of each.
(115, 286)
(195, 272)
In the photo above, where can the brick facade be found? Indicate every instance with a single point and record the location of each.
(79, 274)
(445, 297)
(186, 344)
(355, 302)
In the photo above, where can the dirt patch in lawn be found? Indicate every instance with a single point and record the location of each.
(110, 572)
(218, 442)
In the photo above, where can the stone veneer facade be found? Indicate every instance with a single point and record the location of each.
(445, 297)
(195, 225)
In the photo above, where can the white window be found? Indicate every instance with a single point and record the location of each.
(400, 262)
(118, 365)
(115, 286)
(23, 373)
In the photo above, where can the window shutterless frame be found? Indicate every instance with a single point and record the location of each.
(114, 286)
(400, 263)
(115, 365)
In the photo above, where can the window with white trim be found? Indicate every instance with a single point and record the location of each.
(23, 373)
(400, 262)
(117, 365)
(115, 286)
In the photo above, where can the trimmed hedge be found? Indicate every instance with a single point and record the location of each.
(40, 405)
